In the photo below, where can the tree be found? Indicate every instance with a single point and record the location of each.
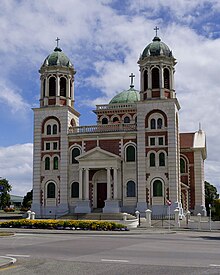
(5, 188)
(211, 195)
(27, 199)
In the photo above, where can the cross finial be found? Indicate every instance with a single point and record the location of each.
(57, 40)
(156, 29)
(132, 76)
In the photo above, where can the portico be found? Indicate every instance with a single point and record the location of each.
(99, 173)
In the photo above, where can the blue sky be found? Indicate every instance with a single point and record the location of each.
(103, 39)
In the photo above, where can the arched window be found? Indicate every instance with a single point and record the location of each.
(63, 86)
(152, 159)
(153, 123)
(51, 188)
(75, 190)
(54, 129)
(52, 86)
(55, 163)
(130, 153)
(166, 76)
(159, 123)
(155, 78)
(161, 159)
(157, 188)
(105, 120)
(47, 163)
(75, 153)
(48, 129)
(182, 166)
(127, 119)
(131, 188)
(145, 80)
(115, 119)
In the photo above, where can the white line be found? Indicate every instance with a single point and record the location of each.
(111, 260)
(13, 260)
(216, 265)
(22, 256)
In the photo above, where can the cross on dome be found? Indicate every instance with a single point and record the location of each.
(156, 29)
(57, 40)
(132, 76)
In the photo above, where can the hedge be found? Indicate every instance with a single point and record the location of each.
(63, 224)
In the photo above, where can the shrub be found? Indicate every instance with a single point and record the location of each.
(8, 209)
(64, 224)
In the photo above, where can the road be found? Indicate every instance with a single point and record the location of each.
(182, 252)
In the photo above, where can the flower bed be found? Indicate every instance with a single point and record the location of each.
(64, 224)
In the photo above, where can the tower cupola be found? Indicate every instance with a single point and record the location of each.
(57, 78)
(157, 71)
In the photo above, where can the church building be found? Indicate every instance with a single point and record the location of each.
(134, 158)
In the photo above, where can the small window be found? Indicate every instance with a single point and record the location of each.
(75, 190)
(47, 163)
(152, 160)
(160, 141)
(182, 166)
(63, 86)
(48, 129)
(159, 123)
(126, 119)
(130, 153)
(75, 153)
(153, 123)
(162, 159)
(55, 145)
(152, 141)
(131, 189)
(115, 120)
(54, 129)
(47, 146)
(166, 76)
(105, 120)
(51, 190)
(55, 163)
(155, 78)
(145, 80)
(157, 188)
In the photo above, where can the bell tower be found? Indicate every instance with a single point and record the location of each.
(52, 121)
(158, 129)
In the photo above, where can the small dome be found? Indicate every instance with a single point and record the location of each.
(57, 58)
(157, 48)
(128, 96)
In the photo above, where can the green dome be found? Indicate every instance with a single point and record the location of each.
(57, 58)
(128, 96)
(157, 48)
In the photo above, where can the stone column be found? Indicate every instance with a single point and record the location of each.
(86, 191)
(80, 183)
(46, 91)
(115, 184)
(108, 184)
(57, 90)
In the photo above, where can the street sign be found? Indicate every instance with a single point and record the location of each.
(1, 188)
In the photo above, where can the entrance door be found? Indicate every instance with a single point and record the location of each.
(101, 194)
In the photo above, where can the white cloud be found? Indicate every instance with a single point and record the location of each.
(16, 166)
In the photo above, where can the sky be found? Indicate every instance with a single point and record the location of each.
(104, 39)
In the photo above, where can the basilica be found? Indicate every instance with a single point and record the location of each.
(134, 158)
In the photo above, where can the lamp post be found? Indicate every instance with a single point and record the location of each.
(1, 190)
(210, 217)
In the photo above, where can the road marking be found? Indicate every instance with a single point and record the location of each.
(112, 260)
(215, 265)
(14, 255)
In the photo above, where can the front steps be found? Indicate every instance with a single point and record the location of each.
(97, 216)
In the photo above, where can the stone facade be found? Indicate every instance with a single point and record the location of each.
(134, 158)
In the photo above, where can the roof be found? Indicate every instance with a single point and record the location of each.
(186, 140)
(127, 96)
(156, 48)
(57, 58)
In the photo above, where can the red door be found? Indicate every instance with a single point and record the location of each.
(101, 194)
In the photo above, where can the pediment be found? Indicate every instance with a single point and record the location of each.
(97, 154)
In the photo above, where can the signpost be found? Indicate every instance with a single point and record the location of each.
(210, 217)
(1, 190)
(169, 204)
